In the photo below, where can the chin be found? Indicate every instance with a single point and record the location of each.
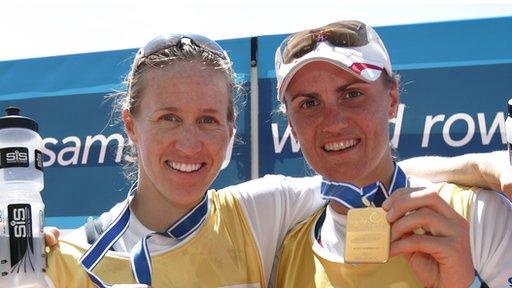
(187, 199)
(340, 173)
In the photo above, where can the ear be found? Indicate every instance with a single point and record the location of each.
(292, 129)
(129, 125)
(231, 127)
(395, 99)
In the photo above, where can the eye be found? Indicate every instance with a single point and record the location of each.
(170, 118)
(207, 120)
(308, 103)
(353, 94)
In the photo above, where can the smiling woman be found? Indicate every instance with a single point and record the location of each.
(340, 92)
(181, 135)
(363, 138)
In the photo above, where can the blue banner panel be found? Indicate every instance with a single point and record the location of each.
(455, 82)
(83, 142)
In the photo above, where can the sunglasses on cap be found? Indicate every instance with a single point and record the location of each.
(339, 34)
(168, 41)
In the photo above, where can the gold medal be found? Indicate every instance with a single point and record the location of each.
(368, 236)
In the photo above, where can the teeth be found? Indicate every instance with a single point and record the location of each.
(337, 146)
(184, 167)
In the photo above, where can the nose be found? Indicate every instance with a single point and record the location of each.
(335, 119)
(189, 140)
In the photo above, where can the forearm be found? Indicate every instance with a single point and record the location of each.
(463, 169)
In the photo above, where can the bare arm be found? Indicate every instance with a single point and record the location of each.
(488, 170)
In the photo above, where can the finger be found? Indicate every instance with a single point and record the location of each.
(51, 236)
(424, 218)
(397, 194)
(130, 286)
(432, 245)
(418, 199)
(451, 253)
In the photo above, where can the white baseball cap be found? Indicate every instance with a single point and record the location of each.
(351, 45)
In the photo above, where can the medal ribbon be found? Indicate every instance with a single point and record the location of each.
(140, 258)
(352, 196)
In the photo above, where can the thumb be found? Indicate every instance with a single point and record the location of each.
(130, 286)
(506, 183)
(51, 236)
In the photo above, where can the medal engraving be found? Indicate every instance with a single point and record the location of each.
(368, 236)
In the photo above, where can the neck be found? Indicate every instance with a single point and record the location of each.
(338, 208)
(153, 210)
(385, 177)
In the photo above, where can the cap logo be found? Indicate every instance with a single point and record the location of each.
(320, 37)
(359, 67)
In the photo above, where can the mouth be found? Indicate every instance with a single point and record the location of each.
(340, 145)
(184, 167)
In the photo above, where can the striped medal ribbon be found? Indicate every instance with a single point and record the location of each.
(140, 258)
(374, 194)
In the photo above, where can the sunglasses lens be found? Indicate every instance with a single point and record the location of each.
(161, 43)
(296, 46)
(171, 40)
(339, 34)
(207, 43)
(348, 36)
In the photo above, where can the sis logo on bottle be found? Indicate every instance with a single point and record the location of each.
(20, 237)
(14, 157)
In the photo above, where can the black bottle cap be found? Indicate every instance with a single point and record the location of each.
(510, 108)
(14, 120)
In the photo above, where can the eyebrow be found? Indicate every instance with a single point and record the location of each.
(210, 111)
(339, 89)
(175, 109)
(308, 95)
(344, 87)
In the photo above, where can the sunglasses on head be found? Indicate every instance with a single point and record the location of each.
(338, 34)
(168, 41)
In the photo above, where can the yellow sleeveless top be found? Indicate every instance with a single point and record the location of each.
(299, 266)
(222, 253)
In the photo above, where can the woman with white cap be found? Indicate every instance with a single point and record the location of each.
(339, 91)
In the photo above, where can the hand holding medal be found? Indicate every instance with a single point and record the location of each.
(440, 257)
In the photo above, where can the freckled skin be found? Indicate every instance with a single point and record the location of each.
(326, 104)
(182, 118)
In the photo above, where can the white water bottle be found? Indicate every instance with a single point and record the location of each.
(22, 255)
(508, 128)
